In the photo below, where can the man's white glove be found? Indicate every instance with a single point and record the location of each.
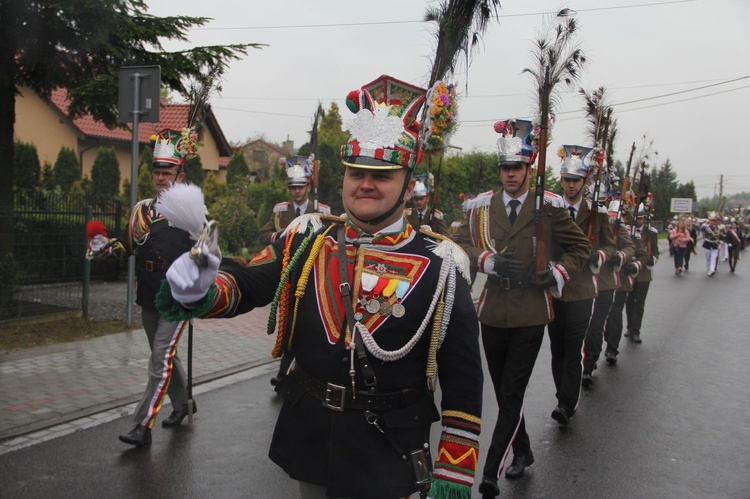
(98, 243)
(188, 281)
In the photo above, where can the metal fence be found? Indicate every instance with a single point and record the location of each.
(49, 248)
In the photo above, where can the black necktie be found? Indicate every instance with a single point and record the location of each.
(420, 219)
(572, 211)
(297, 211)
(514, 204)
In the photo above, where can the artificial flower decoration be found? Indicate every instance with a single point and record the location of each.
(441, 116)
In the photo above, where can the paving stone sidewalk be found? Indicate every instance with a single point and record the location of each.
(45, 386)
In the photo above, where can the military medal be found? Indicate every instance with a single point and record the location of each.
(398, 310)
(385, 308)
(358, 316)
(373, 306)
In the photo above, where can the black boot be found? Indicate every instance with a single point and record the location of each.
(175, 419)
(138, 436)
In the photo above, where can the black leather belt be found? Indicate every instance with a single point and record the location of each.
(152, 266)
(506, 283)
(338, 398)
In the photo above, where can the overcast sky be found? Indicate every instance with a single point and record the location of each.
(640, 50)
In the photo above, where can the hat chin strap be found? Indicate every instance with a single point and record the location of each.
(390, 212)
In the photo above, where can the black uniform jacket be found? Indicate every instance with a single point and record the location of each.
(340, 449)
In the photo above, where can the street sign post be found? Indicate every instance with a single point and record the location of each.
(139, 94)
(681, 205)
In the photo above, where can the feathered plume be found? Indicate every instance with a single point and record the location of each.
(199, 90)
(183, 206)
(556, 51)
(460, 25)
(597, 112)
(95, 228)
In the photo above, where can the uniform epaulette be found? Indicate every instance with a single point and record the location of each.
(280, 207)
(553, 199)
(481, 201)
(448, 248)
(407, 212)
(437, 214)
(456, 223)
(324, 209)
(653, 229)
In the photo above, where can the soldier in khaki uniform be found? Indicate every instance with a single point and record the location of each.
(298, 183)
(515, 304)
(609, 280)
(634, 307)
(573, 311)
(424, 214)
(627, 277)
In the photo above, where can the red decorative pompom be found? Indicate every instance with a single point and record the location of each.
(95, 228)
(501, 127)
(353, 101)
(462, 196)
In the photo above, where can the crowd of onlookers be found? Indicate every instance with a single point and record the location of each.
(723, 238)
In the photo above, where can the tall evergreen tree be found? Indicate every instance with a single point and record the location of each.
(105, 174)
(80, 46)
(26, 168)
(194, 171)
(237, 169)
(67, 169)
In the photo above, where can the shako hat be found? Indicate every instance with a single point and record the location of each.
(574, 161)
(172, 147)
(514, 144)
(385, 130)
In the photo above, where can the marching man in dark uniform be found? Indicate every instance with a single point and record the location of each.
(516, 303)
(298, 179)
(423, 214)
(609, 280)
(636, 303)
(156, 244)
(374, 312)
(573, 310)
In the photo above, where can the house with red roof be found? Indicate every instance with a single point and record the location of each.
(47, 125)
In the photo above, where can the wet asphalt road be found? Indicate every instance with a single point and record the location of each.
(671, 420)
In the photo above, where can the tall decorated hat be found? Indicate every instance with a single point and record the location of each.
(385, 129)
(574, 161)
(171, 147)
(420, 190)
(514, 144)
(300, 171)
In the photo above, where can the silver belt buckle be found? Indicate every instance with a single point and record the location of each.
(335, 397)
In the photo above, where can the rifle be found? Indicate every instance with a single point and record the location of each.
(541, 234)
(316, 162)
(623, 191)
(597, 184)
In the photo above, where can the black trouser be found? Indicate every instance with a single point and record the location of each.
(613, 328)
(635, 305)
(592, 346)
(511, 354)
(566, 334)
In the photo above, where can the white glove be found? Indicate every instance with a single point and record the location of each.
(188, 281)
(98, 243)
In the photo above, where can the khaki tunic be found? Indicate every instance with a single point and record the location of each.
(434, 220)
(583, 284)
(522, 307)
(609, 277)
